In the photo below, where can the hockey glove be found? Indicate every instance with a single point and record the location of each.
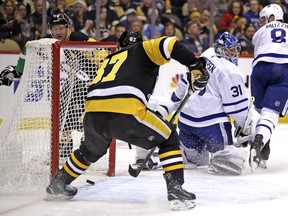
(8, 75)
(243, 138)
(198, 76)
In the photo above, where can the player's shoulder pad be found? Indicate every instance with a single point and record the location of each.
(78, 36)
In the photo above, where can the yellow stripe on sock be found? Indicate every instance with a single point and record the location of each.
(170, 153)
(71, 173)
(175, 167)
(78, 163)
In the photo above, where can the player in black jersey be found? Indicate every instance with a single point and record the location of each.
(116, 108)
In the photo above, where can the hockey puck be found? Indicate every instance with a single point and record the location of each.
(90, 182)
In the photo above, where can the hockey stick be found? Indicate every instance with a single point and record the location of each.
(136, 172)
(248, 118)
(247, 121)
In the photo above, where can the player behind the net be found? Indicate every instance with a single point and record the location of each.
(59, 28)
(269, 79)
(205, 129)
(116, 107)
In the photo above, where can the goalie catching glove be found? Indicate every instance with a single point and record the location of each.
(8, 75)
(198, 76)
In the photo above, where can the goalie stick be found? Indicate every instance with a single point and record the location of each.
(248, 118)
(247, 121)
(136, 172)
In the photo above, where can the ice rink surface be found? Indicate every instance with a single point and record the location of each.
(262, 193)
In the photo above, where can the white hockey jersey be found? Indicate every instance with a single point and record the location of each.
(271, 43)
(225, 95)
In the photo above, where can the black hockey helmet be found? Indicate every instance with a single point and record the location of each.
(59, 18)
(129, 37)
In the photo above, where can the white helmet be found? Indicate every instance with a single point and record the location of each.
(272, 9)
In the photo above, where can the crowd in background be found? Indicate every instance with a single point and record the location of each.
(189, 20)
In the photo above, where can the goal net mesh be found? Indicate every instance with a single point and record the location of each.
(26, 132)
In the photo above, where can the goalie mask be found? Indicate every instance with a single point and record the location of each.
(128, 38)
(59, 18)
(228, 47)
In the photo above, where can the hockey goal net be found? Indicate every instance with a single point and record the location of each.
(44, 124)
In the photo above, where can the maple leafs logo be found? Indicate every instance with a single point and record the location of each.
(175, 80)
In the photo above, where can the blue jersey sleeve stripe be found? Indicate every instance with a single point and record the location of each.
(237, 102)
(205, 118)
(237, 111)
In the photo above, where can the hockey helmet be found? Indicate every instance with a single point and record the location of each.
(228, 47)
(128, 38)
(262, 16)
(59, 18)
(273, 9)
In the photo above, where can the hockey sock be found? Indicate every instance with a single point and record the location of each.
(75, 165)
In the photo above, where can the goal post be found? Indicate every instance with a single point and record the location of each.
(45, 120)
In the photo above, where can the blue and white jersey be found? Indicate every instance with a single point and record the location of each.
(225, 95)
(271, 43)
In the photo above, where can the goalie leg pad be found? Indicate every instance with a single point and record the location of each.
(193, 156)
(230, 161)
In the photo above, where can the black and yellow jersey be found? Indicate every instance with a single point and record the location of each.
(126, 79)
(76, 36)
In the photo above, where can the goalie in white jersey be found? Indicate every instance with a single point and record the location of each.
(204, 122)
(269, 79)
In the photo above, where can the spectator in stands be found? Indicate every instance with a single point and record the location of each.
(159, 27)
(177, 8)
(9, 26)
(194, 16)
(62, 6)
(137, 26)
(227, 21)
(199, 4)
(221, 6)
(38, 5)
(119, 29)
(252, 15)
(37, 29)
(121, 7)
(239, 27)
(104, 25)
(111, 17)
(142, 10)
(78, 17)
(169, 29)
(25, 23)
(130, 16)
(247, 47)
(205, 24)
(193, 38)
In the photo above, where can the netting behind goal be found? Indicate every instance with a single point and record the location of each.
(44, 124)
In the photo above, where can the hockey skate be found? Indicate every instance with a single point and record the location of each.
(265, 152)
(58, 190)
(179, 198)
(255, 152)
